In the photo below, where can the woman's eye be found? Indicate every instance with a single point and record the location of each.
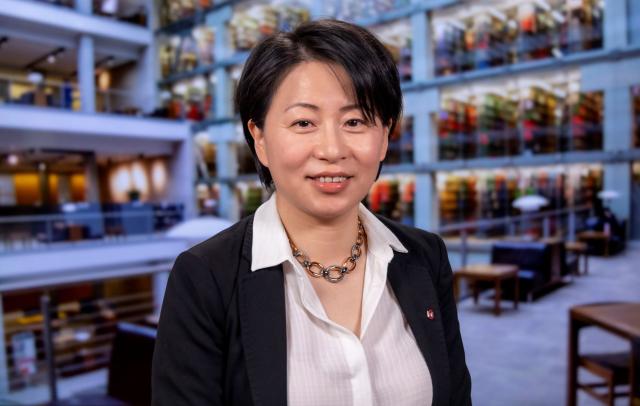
(354, 122)
(302, 123)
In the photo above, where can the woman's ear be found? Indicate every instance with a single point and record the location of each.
(259, 142)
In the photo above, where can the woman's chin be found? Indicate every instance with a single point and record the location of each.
(332, 209)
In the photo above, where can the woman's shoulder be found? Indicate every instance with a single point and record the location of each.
(218, 256)
(224, 243)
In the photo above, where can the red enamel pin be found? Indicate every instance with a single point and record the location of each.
(431, 314)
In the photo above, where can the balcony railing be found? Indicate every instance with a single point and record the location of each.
(560, 222)
(56, 332)
(86, 224)
(42, 94)
(129, 12)
(66, 96)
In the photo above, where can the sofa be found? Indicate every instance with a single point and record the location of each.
(542, 265)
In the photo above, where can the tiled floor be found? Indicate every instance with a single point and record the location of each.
(520, 358)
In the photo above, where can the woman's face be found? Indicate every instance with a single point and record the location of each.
(322, 153)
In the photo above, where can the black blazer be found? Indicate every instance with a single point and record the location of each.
(222, 332)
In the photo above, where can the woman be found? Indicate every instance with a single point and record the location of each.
(314, 300)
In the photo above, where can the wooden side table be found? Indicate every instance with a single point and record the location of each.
(495, 273)
(621, 319)
(580, 249)
(591, 235)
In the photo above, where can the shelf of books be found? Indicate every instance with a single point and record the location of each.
(470, 196)
(526, 115)
(496, 33)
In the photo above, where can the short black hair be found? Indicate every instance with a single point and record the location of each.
(373, 73)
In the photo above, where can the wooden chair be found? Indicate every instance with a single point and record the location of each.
(613, 368)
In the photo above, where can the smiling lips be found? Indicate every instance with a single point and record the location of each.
(330, 182)
(329, 179)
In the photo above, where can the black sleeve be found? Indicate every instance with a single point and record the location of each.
(188, 356)
(460, 378)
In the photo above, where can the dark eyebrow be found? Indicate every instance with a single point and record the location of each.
(316, 108)
(306, 105)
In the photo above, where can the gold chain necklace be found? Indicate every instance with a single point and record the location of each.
(332, 273)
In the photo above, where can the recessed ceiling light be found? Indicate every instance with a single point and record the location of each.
(13, 159)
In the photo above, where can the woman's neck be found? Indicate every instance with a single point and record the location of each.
(325, 241)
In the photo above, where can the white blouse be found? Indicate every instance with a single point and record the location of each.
(327, 364)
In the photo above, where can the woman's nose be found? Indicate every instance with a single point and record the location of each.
(330, 145)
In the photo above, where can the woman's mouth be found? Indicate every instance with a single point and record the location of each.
(330, 184)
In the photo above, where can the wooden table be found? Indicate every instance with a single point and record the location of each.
(621, 319)
(580, 249)
(591, 235)
(495, 273)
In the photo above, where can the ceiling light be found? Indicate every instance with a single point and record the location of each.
(35, 77)
(51, 59)
(12, 159)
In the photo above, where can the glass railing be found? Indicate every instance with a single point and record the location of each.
(115, 101)
(134, 12)
(39, 93)
(63, 3)
(560, 223)
(66, 96)
(85, 223)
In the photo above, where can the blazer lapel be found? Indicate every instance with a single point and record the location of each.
(263, 329)
(411, 282)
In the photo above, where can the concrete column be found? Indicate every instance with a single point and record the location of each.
(4, 368)
(425, 151)
(86, 74)
(227, 167)
(616, 24)
(425, 205)
(317, 10)
(618, 123)
(618, 177)
(634, 22)
(182, 182)
(148, 76)
(421, 47)
(43, 181)
(223, 96)
(153, 20)
(148, 65)
(218, 20)
(84, 6)
(92, 182)
(64, 188)
(618, 137)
